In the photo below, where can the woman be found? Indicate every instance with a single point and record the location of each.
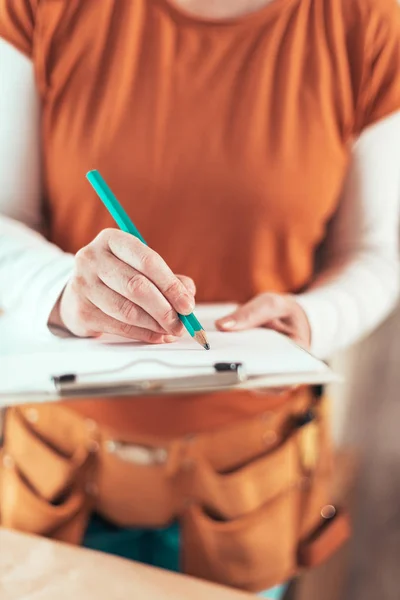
(259, 131)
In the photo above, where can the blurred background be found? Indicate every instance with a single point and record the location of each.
(366, 417)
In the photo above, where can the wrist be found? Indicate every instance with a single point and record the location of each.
(55, 322)
(303, 323)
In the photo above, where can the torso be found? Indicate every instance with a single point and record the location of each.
(217, 136)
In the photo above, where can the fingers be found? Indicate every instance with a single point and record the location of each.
(150, 264)
(138, 290)
(98, 323)
(188, 283)
(281, 326)
(120, 308)
(123, 287)
(257, 312)
(276, 311)
(84, 319)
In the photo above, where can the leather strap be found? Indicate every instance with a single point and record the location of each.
(325, 540)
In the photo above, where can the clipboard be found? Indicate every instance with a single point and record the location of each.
(221, 376)
(218, 378)
(35, 371)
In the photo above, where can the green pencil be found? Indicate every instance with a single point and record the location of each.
(121, 218)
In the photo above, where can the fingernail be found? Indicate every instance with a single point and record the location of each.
(168, 339)
(228, 324)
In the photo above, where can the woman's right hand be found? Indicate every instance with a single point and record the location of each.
(121, 286)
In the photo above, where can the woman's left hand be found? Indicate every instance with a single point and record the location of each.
(275, 311)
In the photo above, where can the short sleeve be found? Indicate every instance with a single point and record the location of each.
(380, 86)
(17, 22)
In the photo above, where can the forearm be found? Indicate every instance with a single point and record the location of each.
(345, 303)
(359, 280)
(33, 273)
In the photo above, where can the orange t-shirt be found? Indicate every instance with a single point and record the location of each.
(226, 141)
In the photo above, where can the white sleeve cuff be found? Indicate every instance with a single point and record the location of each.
(33, 273)
(35, 309)
(323, 319)
(49, 294)
(347, 309)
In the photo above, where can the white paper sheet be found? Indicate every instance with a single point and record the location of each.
(27, 365)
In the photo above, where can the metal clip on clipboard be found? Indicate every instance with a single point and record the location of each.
(223, 376)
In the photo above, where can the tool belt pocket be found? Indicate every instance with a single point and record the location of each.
(145, 494)
(48, 467)
(243, 531)
(237, 492)
(252, 552)
(256, 525)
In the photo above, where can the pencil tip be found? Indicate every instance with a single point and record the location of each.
(201, 338)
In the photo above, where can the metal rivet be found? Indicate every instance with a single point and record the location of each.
(90, 425)
(269, 437)
(93, 446)
(32, 415)
(91, 488)
(8, 461)
(328, 511)
(111, 446)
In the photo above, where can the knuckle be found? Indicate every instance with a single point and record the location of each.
(127, 329)
(105, 235)
(188, 283)
(174, 288)
(78, 283)
(151, 337)
(83, 313)
(137, 285)
(128, 311)
(169, 317)
(84, 257)
(148, 260)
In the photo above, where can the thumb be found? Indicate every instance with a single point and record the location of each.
(255, 313)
